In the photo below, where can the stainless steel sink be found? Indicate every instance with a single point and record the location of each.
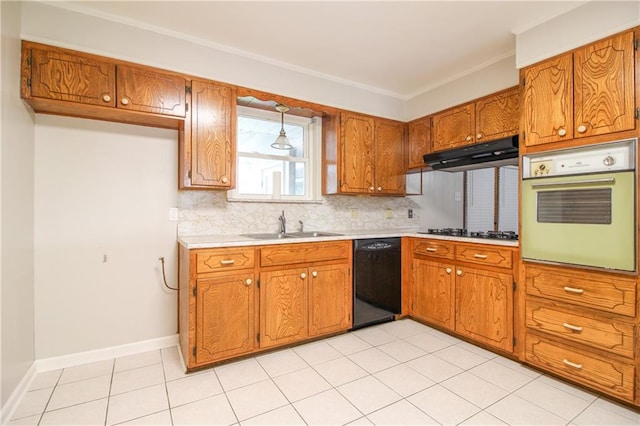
(277, 236)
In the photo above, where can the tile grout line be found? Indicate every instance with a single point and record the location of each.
(166, 388)
(106, 412)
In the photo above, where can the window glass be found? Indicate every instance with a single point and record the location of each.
(267, 173)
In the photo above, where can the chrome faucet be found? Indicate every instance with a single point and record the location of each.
(283, 223)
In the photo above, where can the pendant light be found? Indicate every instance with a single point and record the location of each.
(282, 142)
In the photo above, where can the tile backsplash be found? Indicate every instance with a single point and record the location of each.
(209, 213)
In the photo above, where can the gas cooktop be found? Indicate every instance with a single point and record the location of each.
(461, 232)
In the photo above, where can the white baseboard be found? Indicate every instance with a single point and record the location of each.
(71, 360)
(65, 361)
(7, 410)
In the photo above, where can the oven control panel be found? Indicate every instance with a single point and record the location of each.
(608, 157)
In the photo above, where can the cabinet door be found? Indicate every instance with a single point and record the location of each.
(210, 136)
(330, 299)
(225, 317)
(419, 142)
(147, 90)
(603, 87)
(389, 167)
(433, 292)
(484, 302)
(498, 116)
(283, 307)
(63, 76)
(454, 127)
(548, 101)
(356, 160)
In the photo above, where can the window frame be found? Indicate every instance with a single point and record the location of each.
(312, 140)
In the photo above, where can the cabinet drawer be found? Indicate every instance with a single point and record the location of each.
(485, 255)
(287, 254)
(224, 259)
(599, 291)
(605, 374)
(433, 248)
(599, 332)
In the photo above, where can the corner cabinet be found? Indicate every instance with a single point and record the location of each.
(587, 92)
(207, 142)
(66, 82)
(465, 288)
(418, 142)
(363, 155)
(241, 300)
(492, 117)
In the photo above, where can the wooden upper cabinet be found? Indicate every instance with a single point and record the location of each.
(586, 92)
(454, 127)
(604, 86)
(388, 162)
(418, 142)
(207, 145)
(548, 101)
(498, 116)
(61, 75)
(66, 82)
(356, 166)
(149, 90)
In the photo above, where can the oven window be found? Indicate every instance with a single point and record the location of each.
(575, 206)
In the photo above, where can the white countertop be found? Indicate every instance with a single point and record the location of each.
(235, 240)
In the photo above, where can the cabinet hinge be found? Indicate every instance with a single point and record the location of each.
(186, 107)
(194, 351)
(258, 283)
(194, 292)
(258, 337)
(187, 89)
(524, 135)
(514, 286)
(637, 112)
(524, 81)
(189, 174)
(28, 82)
(636, 43)
(515, 342)
(29, 59)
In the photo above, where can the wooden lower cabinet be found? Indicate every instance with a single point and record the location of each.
(484, 306)
(225, 317)
(239, 300)
(283, 307)
(434, 292)
(581, 325)
(451, 289)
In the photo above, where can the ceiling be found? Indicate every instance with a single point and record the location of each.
(397, 48)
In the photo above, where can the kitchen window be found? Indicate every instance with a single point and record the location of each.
(491, 199)
(268, 174)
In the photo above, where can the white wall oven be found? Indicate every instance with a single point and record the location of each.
(579, 206)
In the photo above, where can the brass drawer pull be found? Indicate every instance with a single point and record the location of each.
(572, 364)
(571, 327)
(227, 262)
(573, 290)
(480, 256)
(432, 249)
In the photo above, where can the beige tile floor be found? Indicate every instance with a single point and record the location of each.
(398, 373)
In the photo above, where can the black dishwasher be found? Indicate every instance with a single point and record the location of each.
(376, 281)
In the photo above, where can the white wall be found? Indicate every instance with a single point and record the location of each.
(580, 26)
(16, 225)
(102, 189)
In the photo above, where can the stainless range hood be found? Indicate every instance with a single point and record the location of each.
(501, 152)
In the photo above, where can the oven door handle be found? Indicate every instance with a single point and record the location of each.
(575, 182)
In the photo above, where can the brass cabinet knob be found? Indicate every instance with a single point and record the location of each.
(562, 132)
(459, 272)
(106, 98)
(314, 274)
(303, 275)
(582, 128)
(479, 136)
(224, 179)
(124, 101)
(469, 138)
(448, 270)
(248, 282)
(371, 188)
(379, 188)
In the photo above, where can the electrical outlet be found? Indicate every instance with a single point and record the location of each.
(173, 214)
(354, 213)
(410, 213)
(388, 214)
